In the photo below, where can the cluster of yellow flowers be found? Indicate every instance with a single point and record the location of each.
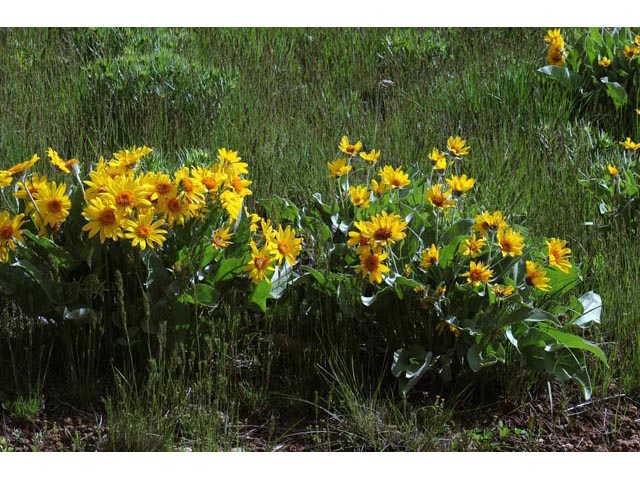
(632, 51)
(557, 52)
(121, 202)
(372, 238)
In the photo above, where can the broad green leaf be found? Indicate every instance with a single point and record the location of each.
(570, 340)
(206, 295)
(561, 74)
(260, 294)
(591, 308)
(282, 277)
(616, 92)
(228, 269)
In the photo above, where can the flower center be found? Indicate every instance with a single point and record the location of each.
(371, 263)
(506, 245)
(163, 188)
(284, 248)
(261, 263)
(54, 206)
(187, 185)
(210, 183)
(174, 205)
(125, 198)
(476, 275)
(107, 217)
(237, 184)
(143, 231)
(6, 232)
(382, 234)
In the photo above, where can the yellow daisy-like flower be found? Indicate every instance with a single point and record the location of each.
(559, 254)
(53, 203)
(5, 179)
(260, 267)
(10, 230)
(384, 229)
(460, 185)
(288, 247)
(348, 148)
(371, 157)
(361, 239)
(188, 186)
(128, 193)
(439, 199)
(178, 210)
(472, 246)
(161, 187)
(230, 163)
(129, 158)
(60, 164)
(144, 232)
(553, 34)
(232, 204)
(221, 238)
(630, 145)
(604, 61)
(371, 264)
(378, 188)
(537, 277)
(254, 219)
(630, 51)
(457, 146)
(636, 40)
(33, 184)
(511, 242)
(21, 167)
(338, 168)
(239, 186)
(360, 196)
(103, 218)
(212, 178)
(613, 170)
(557, 53)
(394, 177)
(503, 291)
(488, 221)
(478, 273)
(436, 156)
(430, 256)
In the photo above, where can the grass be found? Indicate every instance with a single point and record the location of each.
(283, 98)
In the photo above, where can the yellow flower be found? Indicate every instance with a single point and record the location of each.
(478, 273)
(638, 111)
(359, 239)
(488, 221)
(254, 218)
(60, 164)
(53, 203)
(636, 40)
(503, 291)
(288, 247)
(630, 145)
(558, 254)
(630, 51)
(188, 186)
(21, 167)
(557, 53)
(438, 198)
(537, 277)
(338, 168)
(378, 188)
(10, 230)
(436, 156)
(371, 263)
(444, 326)
(457, 146)
(394, 177)
(5, 179)
(348, 148)
(371, 157)
(604, 62)
(127, 159)
(212, 178)
(511, 243)
(460, 185)
(128, 193)
(221, 238)
(384, 229)
(103, 218)
(613, 170)
(473, 245)
(178, 210)
(553, 35)
(230, 164)
(33, 184)
(429, 256)
(239, 186)
(360, 196)
(144, 232)
(161, 187)
(97, 183)
(261, 264)
(232, 203)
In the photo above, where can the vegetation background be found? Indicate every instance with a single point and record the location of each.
(283, 97)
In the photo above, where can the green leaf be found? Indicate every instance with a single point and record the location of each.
(591, 307)
(261, 293)
(561, 74)
(227, 269)
(282, 277)
(570, 340)
(206, 295)
(562, 282)
(315, 275)
(474, 357)
(616, 92)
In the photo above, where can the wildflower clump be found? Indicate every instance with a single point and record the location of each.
(440, 274)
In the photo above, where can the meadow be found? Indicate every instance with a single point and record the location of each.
(300, 375)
